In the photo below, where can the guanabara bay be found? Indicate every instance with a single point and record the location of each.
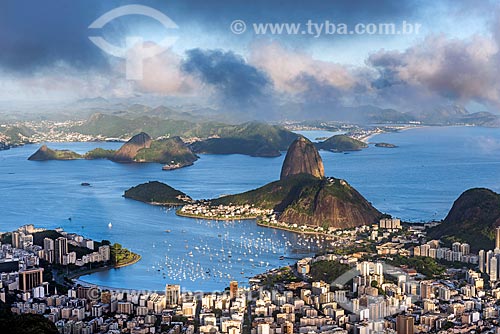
(258, 167)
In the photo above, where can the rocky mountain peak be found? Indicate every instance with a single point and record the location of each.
(302, 157)
(129, 150)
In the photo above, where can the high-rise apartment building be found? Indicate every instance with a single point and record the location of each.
(405, 324)
(172, 294)
(31, 278)
(233, 289)
(497, 238)
(60, 249)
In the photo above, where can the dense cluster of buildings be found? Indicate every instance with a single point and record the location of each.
(489, 261)
(88, 310)
(373, 297)
(378, 299)
(57, 251)
(369, 297)
(459, 252)
(44, 131)
(20, 259)
(205, 210)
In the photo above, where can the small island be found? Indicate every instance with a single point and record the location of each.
(157, 193)
(385, 145)
(341, 143)
(44, 153)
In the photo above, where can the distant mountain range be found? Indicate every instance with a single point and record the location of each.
(198, 111)
(363, 115)
(443, 115)
(122, 120)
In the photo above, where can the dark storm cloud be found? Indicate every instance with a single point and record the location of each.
(34, 34)
(37, 33)
(347, 11)
(233, 78)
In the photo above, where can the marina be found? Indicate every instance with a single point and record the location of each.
(188, 251)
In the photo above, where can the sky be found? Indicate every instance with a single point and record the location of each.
(206, 58)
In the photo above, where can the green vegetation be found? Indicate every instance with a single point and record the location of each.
(66, 155)
(275, 195)
(157, 193)
(274, 136)
(51, 234)
(17, 135)
(172, 151)
(309, 201)
(425, 265)
(39, 236)
(472, 219)
(120, 127)
(24, 323)
(167, 151)
(284, 275)
(341, 143)
(250, 147)
(6, 238)
(327, 271)
(121, 257)
(100, 153)
(45, 153)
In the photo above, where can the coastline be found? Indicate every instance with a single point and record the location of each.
(77, 275)
(156, 203)
(136, 259)
(298, 231)
(187, 215)
(366, 139)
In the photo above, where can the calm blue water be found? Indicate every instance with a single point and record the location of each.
(314, 135)
(417, 181)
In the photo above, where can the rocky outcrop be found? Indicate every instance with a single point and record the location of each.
(170, 151)
(330, 203)
(4, 146)
(129, 150)
(302, 157)
(472, 218)
(306, 200)
(44, 153)
(304, 196)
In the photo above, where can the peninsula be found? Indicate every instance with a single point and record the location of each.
(303, 195)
